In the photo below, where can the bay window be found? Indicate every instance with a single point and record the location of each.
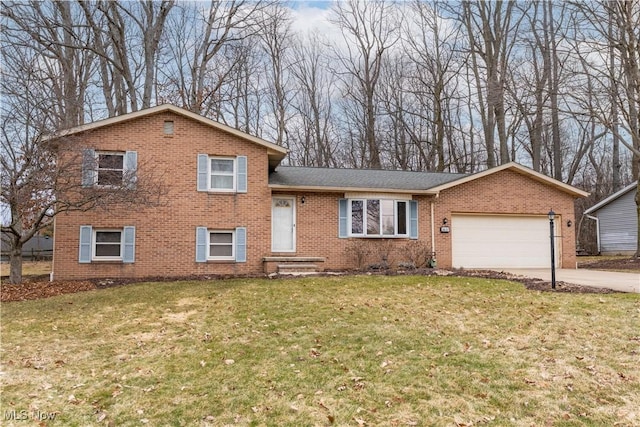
(378, 217)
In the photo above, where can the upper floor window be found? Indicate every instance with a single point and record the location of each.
(222, 174)
(110, 168)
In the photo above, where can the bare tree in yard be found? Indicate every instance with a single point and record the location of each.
(43, 44)
(370, 30)
(46, 83)
(43, 177)
(616, 24)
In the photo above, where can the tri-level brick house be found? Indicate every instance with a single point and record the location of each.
(233, 209)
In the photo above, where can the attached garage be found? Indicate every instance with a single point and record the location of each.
(502, 241)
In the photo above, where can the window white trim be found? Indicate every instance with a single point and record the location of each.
(232, 174)
(232, 244)
(98, 169)
(95, 243)
(380, 224)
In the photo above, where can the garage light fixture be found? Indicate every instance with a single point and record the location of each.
(569, 223)
(552, 216)
(445, 221)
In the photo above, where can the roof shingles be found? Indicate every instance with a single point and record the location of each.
(309, 177)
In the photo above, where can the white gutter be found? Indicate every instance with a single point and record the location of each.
(595, 218)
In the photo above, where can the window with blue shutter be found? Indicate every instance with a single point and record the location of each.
(222, 174)
(86, 234)
(413, 219)
(129, 245)
(241, 176)
(342, 215)
(131, 169)
(241, 244)
(203, 172)
(88, 167)
(201, 244)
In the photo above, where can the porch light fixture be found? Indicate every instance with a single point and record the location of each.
(445, 221)
(569, 223)
(303, 199)
(552, 216)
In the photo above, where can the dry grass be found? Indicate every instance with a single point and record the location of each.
(318, 351)
(595, 258)
(29, 268)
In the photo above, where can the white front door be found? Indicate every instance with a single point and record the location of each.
(283, 224)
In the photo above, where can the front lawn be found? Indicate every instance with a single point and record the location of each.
(360, 350)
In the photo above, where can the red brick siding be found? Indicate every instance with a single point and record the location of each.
(165, 236)
(506, 192)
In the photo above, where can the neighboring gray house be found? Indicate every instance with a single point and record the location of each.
(617, 222)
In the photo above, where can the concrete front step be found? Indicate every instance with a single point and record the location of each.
(297, 268)
(292, 264)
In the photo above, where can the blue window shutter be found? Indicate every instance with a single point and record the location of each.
(86, 235)
(129, 252)
(201, 244)
(413, 219)
(203, 169)
(88, 167)
(131, 169)
(241, 175)
(241, 244)
(342, 214)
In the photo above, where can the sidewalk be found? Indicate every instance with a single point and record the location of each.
(622, 282)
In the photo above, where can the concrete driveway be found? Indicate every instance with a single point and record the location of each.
(623, 282)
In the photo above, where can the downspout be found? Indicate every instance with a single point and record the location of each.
(433, 229)
(433, 225)
(53, 248)
(595, 218)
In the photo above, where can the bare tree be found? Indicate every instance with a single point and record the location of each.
(42, 177)
(276, 42)
(434, 50)
(314, 143)
(491, 28)
(45, 41)
(204, 43)
(616, 23)
(370, 29)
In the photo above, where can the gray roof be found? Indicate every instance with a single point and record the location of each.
(611, 198)
(359, 178)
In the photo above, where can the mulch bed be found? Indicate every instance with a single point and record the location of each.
(36, 287)
(612, 264)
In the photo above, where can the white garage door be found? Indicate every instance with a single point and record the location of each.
(501, 241)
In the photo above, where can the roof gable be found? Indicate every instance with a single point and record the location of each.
(518, 168)
(276, 153)
(612, 198)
